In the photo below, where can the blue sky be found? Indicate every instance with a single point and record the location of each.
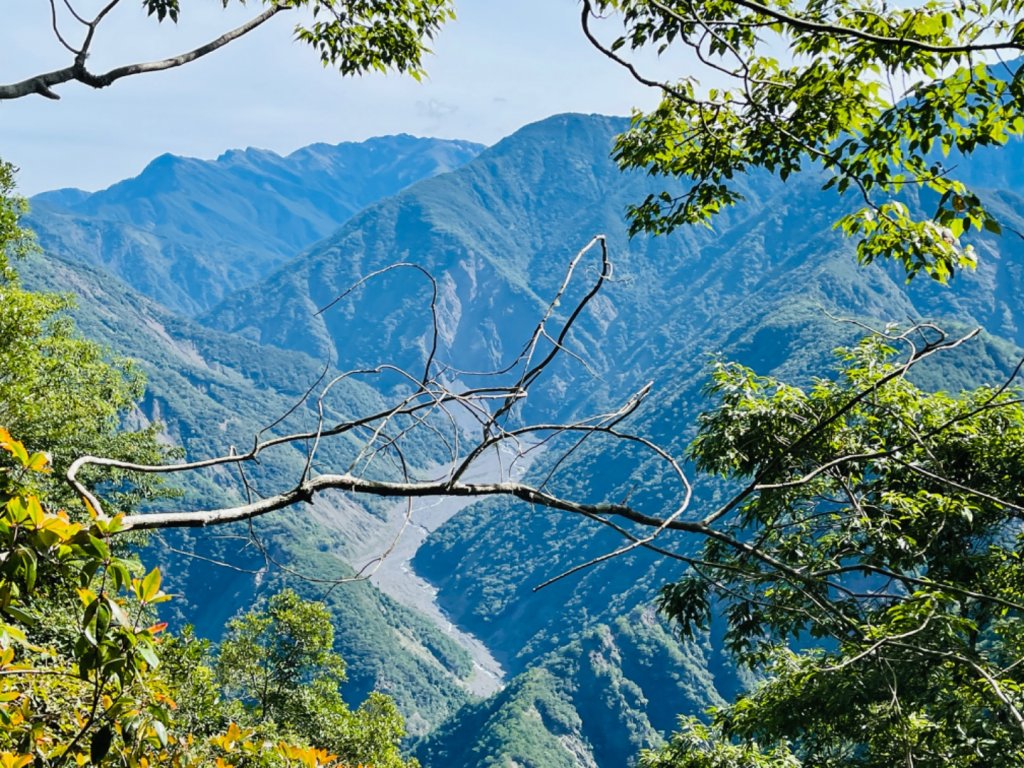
(499, 66)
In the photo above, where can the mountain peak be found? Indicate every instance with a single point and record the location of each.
(167, 160)
(61, 199)
(247, 155)
(213, 225)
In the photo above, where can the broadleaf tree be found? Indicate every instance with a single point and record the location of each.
(876, 524)
(89, 676)
(878, 97)
(869, 568)
(277, 661)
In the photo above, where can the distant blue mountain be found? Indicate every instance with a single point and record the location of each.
(187, 232)
(61, 199)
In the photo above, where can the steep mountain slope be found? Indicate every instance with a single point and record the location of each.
(497, 234)
(775, 293)
(186, 232)
(608, 693)
(774, 277)
(211, 391)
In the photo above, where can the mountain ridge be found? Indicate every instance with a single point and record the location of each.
(186, 231)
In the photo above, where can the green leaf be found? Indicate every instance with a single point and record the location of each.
(149, 586)
(993, 226)
(161, 732)
(148, 655)
(99, 548)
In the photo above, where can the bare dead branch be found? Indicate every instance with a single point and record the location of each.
(488, 414)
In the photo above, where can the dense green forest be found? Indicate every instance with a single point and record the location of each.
(805, 548)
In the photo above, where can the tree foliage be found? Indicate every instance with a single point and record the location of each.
(353, 37)
(270, 656)
(881, 97)
(878, 530)
(868, 565)
(78, 647)
(65, 392)
(277, 661)
(698, 745)
(87, 675)
(15, 240)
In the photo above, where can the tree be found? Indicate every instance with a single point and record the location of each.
(271, 654)
(278, 661)
(695, 745)
(85, 678)
(77, 642)
(882, 98)
(354, 37)
(875, 524)
(15, 240)
(878, 527)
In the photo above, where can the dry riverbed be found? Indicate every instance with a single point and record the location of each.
(394, 575)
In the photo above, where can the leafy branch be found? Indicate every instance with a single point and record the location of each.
(353, 37)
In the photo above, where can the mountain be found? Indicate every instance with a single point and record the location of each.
(762, 287)
(594, 676)
(775, 280)
(498, 234)
(593, 698)
(186, 232)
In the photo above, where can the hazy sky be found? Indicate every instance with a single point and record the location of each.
(499, 66)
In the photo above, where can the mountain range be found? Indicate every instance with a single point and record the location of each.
(252, 246)
(187, 232)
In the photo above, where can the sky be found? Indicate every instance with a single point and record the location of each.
(499, 66)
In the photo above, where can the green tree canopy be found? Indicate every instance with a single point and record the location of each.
(879, 96)
(88, 676)
(878, 528)
(270, 656)
(15, 240)
(278, 661)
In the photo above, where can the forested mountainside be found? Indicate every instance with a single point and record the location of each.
(211, 390)
(498, 234)
(187, 232)
(593, 674)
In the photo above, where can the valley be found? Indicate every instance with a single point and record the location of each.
(386, 559)
(485, 670)
(558, 384)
